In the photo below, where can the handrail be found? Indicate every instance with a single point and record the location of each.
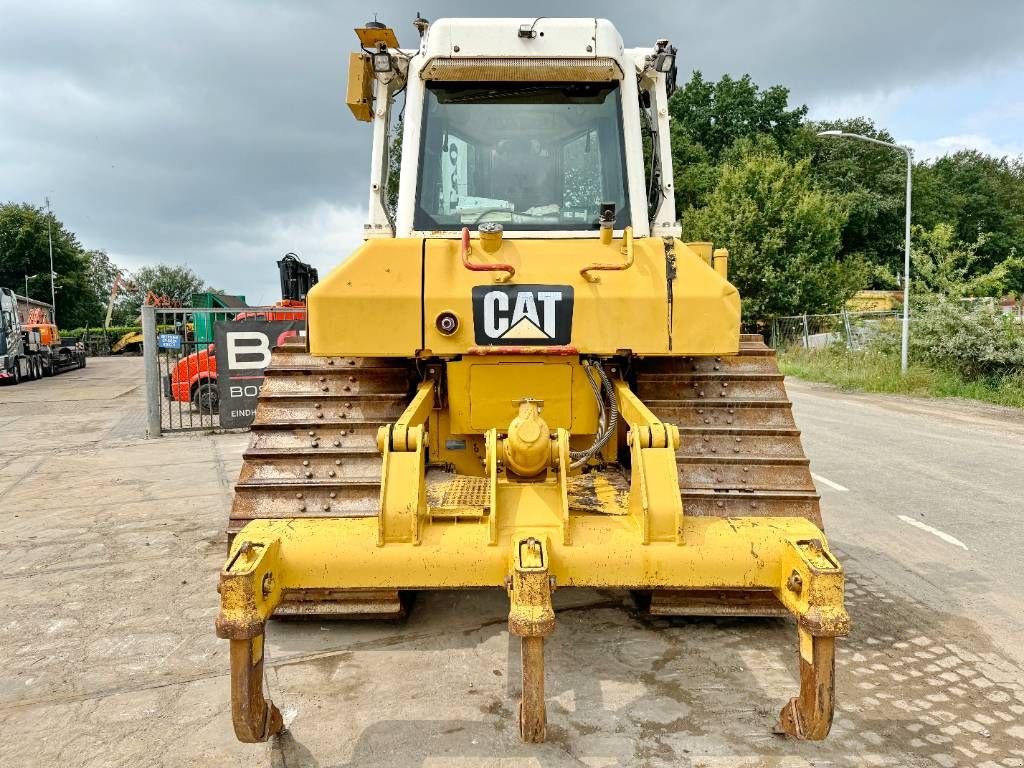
(465, 250)
(627, 250)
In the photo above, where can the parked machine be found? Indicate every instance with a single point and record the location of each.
(30, 344)
(193, 379)
(523, 379)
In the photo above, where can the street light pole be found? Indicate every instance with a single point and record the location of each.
(905, 336)
(49, 238)
(27, 278)
(905, 343)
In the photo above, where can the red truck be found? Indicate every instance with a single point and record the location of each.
(194, 378)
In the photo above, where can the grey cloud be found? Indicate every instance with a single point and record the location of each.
(187, 132)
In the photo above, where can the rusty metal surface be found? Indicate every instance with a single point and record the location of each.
(312, 451)
(740, 453)
(451, 492)
(255, 719)
(342, 604)
(532, 717)
(604, 493)
(809, 715)
(713, 602)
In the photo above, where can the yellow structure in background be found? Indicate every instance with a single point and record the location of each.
(874, 301)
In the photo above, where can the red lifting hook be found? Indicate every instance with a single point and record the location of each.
(466, 250)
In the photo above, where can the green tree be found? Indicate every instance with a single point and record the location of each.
(102, 273)
(170, 281)
(394, 172)
(715, 115)
(24, 252)
(872, 181)
(782, 232)
(694, 171)
(942, 263)
(708, 118)
(977, 194)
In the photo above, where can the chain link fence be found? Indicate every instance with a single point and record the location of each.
(851, 329)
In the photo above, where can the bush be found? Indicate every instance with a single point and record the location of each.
(975, 339)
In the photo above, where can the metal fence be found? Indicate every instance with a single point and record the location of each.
(852, 329)
(180, 358)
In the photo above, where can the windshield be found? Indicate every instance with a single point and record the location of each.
(531, 156)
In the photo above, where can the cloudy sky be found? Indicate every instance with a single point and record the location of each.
(215, 133)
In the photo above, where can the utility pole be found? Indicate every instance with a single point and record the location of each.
(905, 340)
(49, 237)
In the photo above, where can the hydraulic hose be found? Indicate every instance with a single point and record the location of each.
(608, 419)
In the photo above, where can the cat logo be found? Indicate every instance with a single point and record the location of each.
(522, 315)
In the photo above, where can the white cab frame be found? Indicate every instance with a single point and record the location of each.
(469, 38)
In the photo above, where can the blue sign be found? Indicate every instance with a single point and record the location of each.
(168, 340)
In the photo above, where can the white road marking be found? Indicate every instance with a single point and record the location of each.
(829, 483)
(934, 531)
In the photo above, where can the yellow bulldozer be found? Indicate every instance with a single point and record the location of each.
(523, 379)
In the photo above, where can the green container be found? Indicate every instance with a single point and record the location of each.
(204, 321)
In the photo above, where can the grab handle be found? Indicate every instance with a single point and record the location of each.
(627, 249)
(466, 250)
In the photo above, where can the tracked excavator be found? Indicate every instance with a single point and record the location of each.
(523, 379)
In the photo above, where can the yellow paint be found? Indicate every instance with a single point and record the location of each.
(495, 389)
(721, 262)
(527, 446)
(360, 87)
(605, 551)
(703, 250)
(370, 304)
(491, 240)
(706, 308)
(806, 645)
(607, 495)
(484, 391)
(627, 250)
(874, 301)
(403, 494)
(371, 37)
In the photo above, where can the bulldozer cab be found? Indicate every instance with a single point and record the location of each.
(523, 379)
(532, 129)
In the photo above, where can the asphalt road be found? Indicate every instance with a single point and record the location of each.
(932, 498)
(111, 543)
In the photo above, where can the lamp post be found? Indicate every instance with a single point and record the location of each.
(49, 238)
(906, 249)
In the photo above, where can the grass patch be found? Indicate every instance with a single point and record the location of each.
(872, 371)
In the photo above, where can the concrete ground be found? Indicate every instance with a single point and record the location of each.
(111, 544)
